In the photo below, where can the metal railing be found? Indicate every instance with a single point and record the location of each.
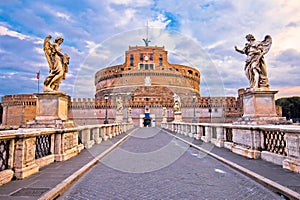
(42, 146)
(4, 154)
(274, 142)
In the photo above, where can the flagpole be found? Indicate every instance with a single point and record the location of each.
(38, 85)
(38, 78)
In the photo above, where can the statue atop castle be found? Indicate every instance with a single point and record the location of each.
(58, 63)
(255, 66)
(147, 41)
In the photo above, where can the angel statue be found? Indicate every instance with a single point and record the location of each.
(177, 103)
(119, 103)
(255, 66)
(58, 63)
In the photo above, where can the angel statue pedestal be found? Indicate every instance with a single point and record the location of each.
(177, 117)
(119, 118)
(259, 108)
(51, 111)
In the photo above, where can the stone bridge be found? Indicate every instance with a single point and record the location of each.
(178, 161)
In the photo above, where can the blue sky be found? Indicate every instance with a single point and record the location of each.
(88, 26)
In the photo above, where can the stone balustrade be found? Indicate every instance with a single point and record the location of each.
(279, 144)
(24, 151)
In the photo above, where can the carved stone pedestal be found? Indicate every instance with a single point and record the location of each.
(119, 118)
(259, 108)
(177, 117)
(130, 120)
(51, 111)
(24, 158)
(129, 114)
(164, 120)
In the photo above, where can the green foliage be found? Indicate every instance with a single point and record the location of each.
(290, 107)
(1, 113)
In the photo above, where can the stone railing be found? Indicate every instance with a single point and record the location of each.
(24, 151)
(279, 144)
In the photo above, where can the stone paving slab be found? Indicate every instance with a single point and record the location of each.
(193, 175)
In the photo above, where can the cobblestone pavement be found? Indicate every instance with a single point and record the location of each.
(141, 168)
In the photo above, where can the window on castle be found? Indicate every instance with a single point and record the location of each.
(141, 66)
(131, 63)
(151, 56)
(190, 71)
(160, 59)
(131, 57)
(141, 56)
(149, 66)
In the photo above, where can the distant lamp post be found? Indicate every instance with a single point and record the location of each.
(209, 110)
(106, 99)
(194, 101)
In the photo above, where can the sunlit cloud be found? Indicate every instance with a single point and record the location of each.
(288, 91)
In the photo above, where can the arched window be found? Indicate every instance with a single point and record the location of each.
(160, 59)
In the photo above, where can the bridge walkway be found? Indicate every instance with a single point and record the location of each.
(151, 164)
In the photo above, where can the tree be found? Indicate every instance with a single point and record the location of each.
(290, 107)
(1, 113)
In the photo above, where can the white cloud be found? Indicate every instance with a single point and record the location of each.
(160, 22)
(63, 16)
(125, 18)
(5, 31)
(132, 3)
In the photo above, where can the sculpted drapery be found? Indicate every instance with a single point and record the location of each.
(58, 64)
(255, 66)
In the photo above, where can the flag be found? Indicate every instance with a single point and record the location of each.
(38, 75)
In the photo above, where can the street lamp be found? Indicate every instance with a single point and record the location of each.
(209, 110)
(106, 98)
(194, 101)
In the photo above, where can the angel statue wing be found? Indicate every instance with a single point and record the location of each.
(266, 43)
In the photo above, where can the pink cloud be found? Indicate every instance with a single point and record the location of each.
(288, 91)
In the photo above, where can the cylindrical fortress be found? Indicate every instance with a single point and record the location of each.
(147, 74)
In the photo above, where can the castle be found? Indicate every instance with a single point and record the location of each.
(145, 79)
